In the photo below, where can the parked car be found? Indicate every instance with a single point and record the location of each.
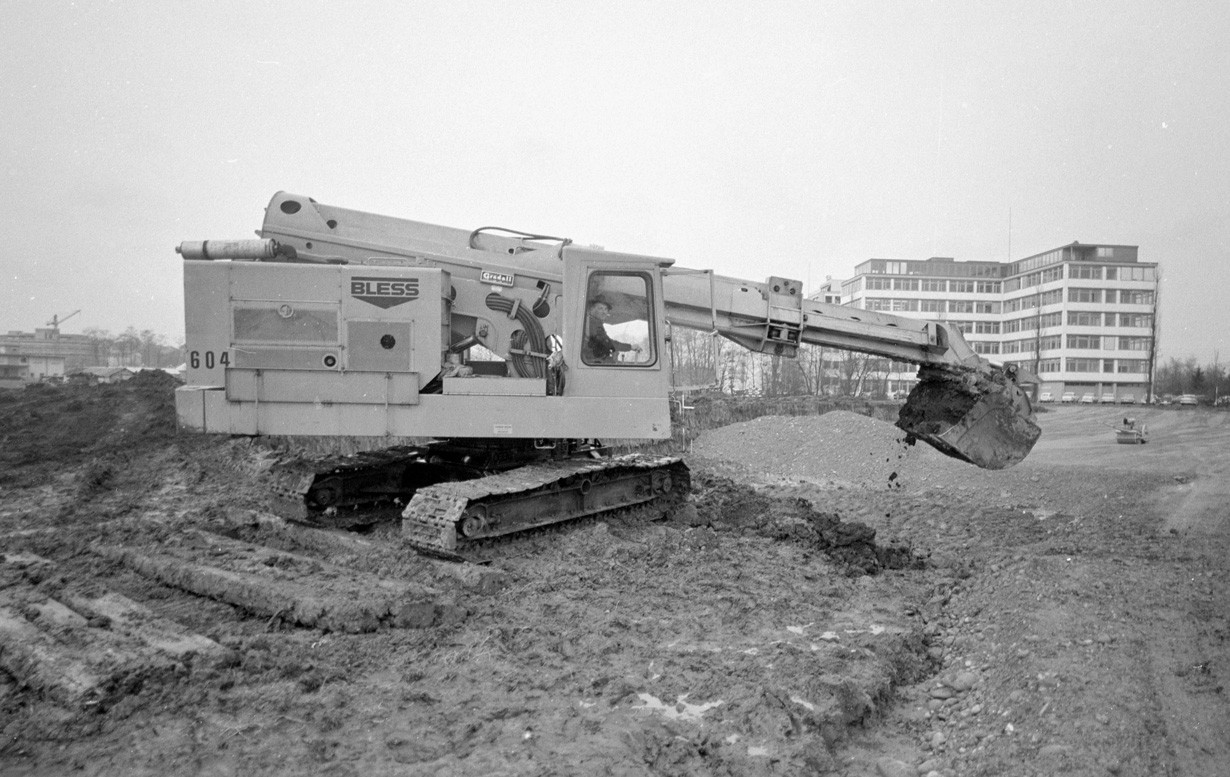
(1046, 396)
(1068, 396)
(1087, 399)
(1127, 399)
(1188, 399)
(1108, 399)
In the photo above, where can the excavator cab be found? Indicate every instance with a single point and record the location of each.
(614, 337)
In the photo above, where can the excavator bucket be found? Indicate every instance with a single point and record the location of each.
(977, 415)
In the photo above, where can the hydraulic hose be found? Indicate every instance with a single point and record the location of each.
(528, 346)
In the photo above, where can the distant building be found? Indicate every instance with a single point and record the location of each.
(14, 369)
(1080, 317)
(45, 353)
(829, 292)
(100, 375)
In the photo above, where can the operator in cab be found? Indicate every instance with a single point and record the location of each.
(600, 346)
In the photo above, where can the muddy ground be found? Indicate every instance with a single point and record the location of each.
(838, 602)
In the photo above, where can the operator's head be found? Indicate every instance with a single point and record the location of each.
(600, 307)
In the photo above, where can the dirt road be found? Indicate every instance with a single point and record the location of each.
(1070, 615)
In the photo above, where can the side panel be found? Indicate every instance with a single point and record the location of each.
(345, 350)
(282, 333)
(394, 319)
(438, 415)
(361, 388)
(190, 403)
(495, 387)
(207, 333)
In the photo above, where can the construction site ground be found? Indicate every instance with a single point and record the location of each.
(834, 601)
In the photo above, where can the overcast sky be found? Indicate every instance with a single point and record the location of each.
(756, 138)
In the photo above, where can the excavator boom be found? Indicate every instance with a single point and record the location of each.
(962, 405)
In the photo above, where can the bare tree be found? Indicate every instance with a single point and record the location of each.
(1155, 331)
(854, 369)
(810, 365)
(152, 345)
(100, 345)
(129, 345)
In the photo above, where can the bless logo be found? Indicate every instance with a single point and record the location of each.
(385, 292)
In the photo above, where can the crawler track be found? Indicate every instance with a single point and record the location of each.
(347, 491)
(461, 520)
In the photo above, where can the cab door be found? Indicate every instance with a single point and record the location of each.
(614, 332)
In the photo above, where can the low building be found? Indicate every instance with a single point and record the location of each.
(100, 375)
(14, 370)
(45, 354)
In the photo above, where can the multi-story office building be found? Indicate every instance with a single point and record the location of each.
(1080, 317)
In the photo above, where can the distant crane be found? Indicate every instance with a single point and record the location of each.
(55, 321)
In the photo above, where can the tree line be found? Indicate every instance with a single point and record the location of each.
(703, 360)
(131, 348)
(1188, 376)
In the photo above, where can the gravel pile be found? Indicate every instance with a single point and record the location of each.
(838, 447)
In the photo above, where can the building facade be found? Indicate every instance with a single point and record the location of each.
(45, 354)
(1081, 317)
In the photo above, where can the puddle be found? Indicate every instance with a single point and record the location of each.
(680, 710)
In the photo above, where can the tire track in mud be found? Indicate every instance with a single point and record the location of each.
(629, 644)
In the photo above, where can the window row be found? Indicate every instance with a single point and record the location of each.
(1091, 318)
(1120, 366)
(1098, 272)
(879, 283)
(1030, 323)
(1078, 342)
(1047, 343)
(1098, 296)
(1052, 297)
(1111, 296)
(1043, 366)
(1129, 366)
(899, 305)
(1034, 262)
(1034, 279)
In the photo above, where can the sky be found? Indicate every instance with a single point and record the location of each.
(761, 138)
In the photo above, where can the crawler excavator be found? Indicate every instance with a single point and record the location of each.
(480, 343)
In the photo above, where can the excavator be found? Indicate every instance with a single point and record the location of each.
(516, 359)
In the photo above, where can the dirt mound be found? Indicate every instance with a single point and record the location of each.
(45, 428)
(837, 447)
(726, 506)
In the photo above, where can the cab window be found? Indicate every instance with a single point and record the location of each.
(618, 326)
